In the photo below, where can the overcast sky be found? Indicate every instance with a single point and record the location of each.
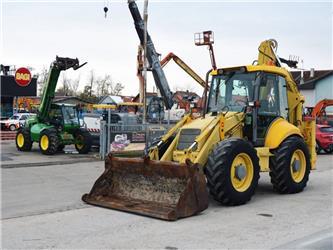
(34, 32)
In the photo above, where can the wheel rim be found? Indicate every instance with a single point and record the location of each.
(241, 172)
(12, 127)
(44, 142)
(80, 144)
(20, 140)
(298, 165)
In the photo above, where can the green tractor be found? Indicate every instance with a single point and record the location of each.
(55, 125)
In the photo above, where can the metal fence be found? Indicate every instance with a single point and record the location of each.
(139, 133)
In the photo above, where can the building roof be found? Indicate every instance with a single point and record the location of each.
(117, 99)
(309, 82)
(60, 99)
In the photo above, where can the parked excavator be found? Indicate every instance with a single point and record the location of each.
(324, 124)
(252, 122)
(319, 112)
(56, 125)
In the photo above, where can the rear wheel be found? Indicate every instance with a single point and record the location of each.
(83, 141)
(23, 139)
(49, 141)
(290, 166)
(232, 171)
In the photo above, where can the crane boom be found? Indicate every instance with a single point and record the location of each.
(152, 56)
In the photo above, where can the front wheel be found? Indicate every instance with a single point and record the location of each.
(83, 141)
(48, 142)
(232, 171)
(23, 140)
(290, 166)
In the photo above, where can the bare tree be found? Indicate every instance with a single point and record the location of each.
(117, 89)
(73, 85)
(41, 79)
(68, 87)
(103, 85)
(91, 81)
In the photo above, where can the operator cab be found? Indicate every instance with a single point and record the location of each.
(64, 115)
(261, 95)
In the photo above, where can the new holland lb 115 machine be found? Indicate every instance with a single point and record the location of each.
(55, 125)
(252, 123)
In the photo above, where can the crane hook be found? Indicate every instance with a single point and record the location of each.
(105, 11)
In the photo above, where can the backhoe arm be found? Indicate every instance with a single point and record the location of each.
(267, 55)
(61, 63)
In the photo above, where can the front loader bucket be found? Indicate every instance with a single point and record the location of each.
(164, 190)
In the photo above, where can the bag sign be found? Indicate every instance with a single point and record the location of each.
(22, 77)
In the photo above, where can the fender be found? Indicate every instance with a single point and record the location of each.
(36, 129)
(278, 131)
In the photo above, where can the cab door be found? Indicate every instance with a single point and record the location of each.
(273, 103)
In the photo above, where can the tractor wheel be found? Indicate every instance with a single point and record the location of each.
(23, 140)
(49, 141)
(232, 171)
(290, 166)
(83, 141)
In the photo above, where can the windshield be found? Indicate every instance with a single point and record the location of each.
(14, 117)
(327, 129)
(70, 116)
(231, 91)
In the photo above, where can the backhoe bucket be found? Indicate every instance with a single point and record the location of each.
(164, 190)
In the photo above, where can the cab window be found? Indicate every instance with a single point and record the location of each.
(268, 96)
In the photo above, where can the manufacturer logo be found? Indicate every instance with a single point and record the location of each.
(22, 77)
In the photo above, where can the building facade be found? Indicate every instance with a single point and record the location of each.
(315, 85)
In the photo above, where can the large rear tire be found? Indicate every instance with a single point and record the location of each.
(232, 172)
(290, 166)
(48, 142)
(83, 141)
(23, 139)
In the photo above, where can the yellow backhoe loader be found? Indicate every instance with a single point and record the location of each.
(252, 123)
